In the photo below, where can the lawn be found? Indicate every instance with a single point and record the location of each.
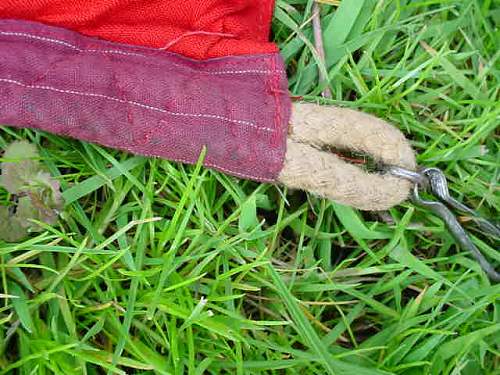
(160, 268)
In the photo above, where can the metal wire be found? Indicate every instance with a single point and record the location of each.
(436, 180)
(413, 176)
(439, 187)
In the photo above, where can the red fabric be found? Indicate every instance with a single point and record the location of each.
(121, 93)
(160, 23)
(146, 101)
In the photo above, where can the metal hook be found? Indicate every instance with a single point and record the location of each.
(435, 178)
(457, 231)
(439, 187)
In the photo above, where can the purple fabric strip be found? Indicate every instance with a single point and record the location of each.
(146, 101)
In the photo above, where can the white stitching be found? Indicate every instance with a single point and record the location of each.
(141, 105)
(111, 52)
(250, 71)
(117, 52)
(207, 164)
(237, 173)
(55, 41)
(69, 45)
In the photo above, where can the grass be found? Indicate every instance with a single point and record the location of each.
(162, 268)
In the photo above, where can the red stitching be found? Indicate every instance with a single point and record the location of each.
(275, 92)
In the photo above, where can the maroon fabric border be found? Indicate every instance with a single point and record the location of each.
(146, 101)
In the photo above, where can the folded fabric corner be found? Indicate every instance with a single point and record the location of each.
(146, 100)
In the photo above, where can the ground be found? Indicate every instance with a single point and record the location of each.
(246, 278)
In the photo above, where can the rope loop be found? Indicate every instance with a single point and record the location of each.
(309, 167)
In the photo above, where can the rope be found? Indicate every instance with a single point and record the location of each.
(308, 167)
